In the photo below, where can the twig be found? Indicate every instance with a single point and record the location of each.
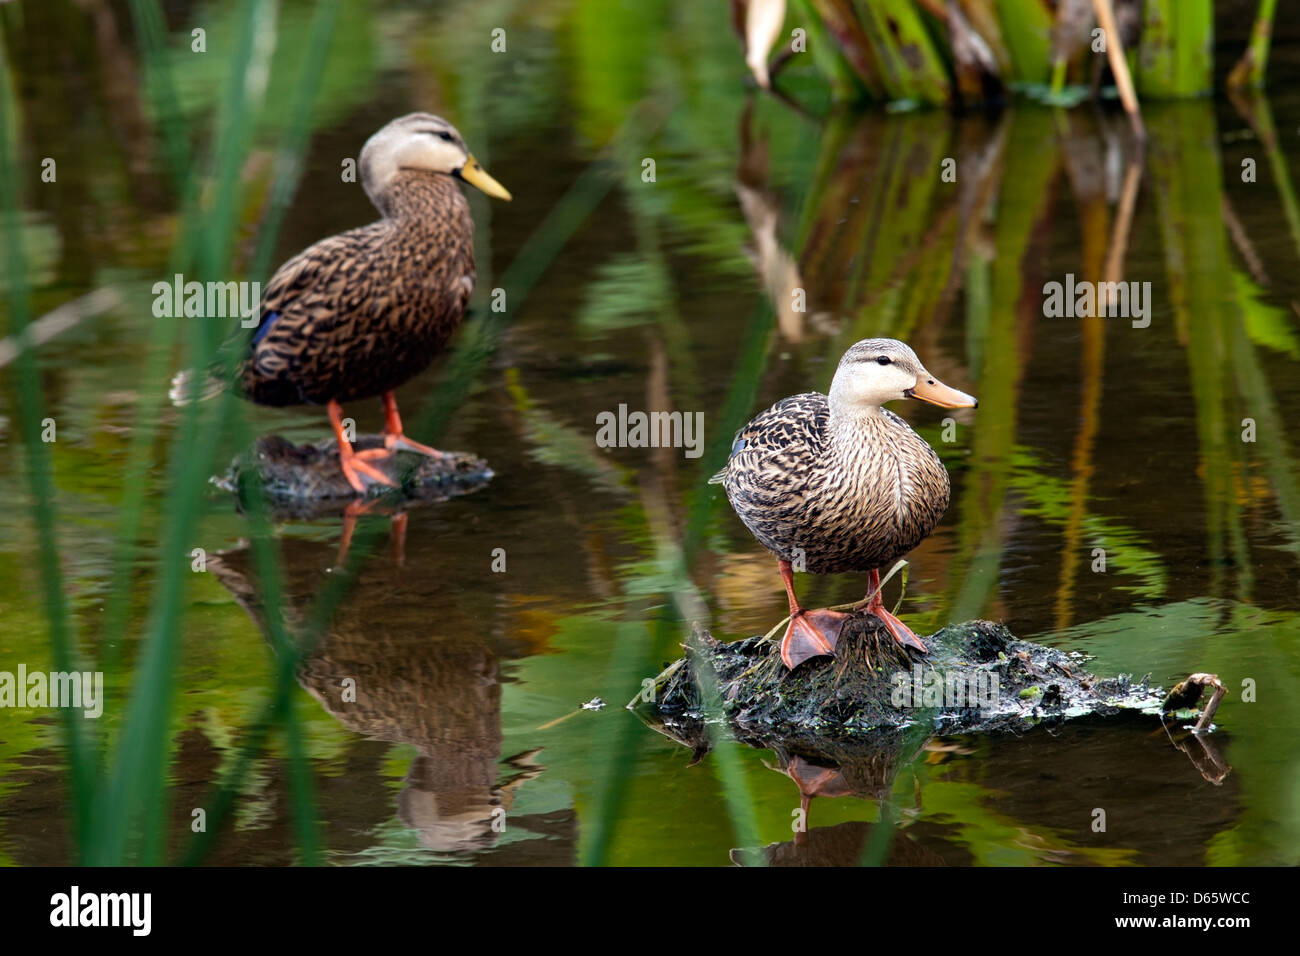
(1105, 11)
(899, 565)
(1207, 715)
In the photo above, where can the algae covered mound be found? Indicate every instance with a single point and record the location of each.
(302, 481)
(977, 678)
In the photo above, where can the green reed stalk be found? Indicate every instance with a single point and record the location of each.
(634, 656)
(265, 557)
(30, 402)
(160, 87)
(1251, 68)
(840, 23)
(1027, 29)
(904, 53)
(134, 799)
(1176, 56)
(845, 82)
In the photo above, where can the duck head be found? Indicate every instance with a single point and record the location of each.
(875, 371)
(421, 141)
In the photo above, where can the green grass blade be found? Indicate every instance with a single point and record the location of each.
(31, 409)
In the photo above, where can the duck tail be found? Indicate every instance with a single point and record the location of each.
(719, 478)
(183, 388)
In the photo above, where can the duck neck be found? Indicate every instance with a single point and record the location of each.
(849, 419)
(850, 433)
(419, 197)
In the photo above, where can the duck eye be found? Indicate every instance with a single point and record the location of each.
(444, 136)
(884, 360)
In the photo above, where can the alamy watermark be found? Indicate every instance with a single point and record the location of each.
(208, 300)
(130, 910)
(1082, 299)
(84, 690)
(624, 429)
(934, 688)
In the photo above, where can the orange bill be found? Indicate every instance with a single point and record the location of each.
(930, 389)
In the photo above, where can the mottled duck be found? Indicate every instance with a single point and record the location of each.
(836, 483)
(358, 314)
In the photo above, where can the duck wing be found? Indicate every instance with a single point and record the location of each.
(781, 440)
(318, 286)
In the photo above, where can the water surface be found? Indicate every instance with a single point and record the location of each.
(676, 294)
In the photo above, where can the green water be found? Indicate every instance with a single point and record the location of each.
(675, 294)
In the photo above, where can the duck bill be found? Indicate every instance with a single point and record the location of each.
(477, 176)
(932, 390)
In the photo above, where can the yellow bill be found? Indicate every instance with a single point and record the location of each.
(477, 176)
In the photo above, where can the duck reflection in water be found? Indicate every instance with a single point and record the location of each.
(379, 671)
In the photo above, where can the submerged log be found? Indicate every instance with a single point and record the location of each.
(305, 481)
(977, 678)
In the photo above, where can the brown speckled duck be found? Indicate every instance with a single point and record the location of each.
(358, 314)
(842, 483)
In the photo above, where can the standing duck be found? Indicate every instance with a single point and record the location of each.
(360, 313)
(836, 483)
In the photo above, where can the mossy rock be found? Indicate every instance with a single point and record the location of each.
(976, 678)
(305, 481)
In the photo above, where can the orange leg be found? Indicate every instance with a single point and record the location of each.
(354, 463)
(903, 634)
(350, 514)
(394, 438)
(810, 633)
